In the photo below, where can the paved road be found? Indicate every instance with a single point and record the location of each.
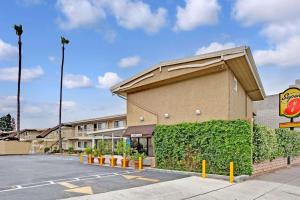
(46, 177)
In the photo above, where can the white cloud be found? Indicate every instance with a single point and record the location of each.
(215, 46)
(79, 13)
(270, 11)
(286, 54)
(197, 13)
(280, 21)
(68, 105)
(136, 14)
(76, 81)
(109, 79)
(8, 104)
(11, 73)
(278, 32)
(7, 51)
(130, 14)
(129, 61)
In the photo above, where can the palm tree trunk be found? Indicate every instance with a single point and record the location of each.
(19, 86)
(60, 99)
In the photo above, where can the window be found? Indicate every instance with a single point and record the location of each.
(102, 125)
(118, 124)
(79, 144)
(85, 144)
(235, 84)
(82, 128)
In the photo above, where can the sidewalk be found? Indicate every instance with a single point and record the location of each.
(281, 184)
(177, 189)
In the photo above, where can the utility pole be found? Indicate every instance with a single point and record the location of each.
(63, 42)
(19, 32)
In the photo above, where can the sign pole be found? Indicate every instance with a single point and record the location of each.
(292, 120)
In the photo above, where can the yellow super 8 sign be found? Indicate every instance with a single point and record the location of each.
(289, 103)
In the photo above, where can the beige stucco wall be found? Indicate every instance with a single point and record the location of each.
(29, 135)
(208, 93)
(67, 132)
(240, 105)
(14, 147)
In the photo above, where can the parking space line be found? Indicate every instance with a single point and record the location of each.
(68, 185)
(65, 180)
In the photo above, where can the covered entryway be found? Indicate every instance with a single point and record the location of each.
(141, 138)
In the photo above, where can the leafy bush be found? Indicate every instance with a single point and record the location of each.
(269, 144)
(101, 147)
(136, 155)
(184, 146)
(47, 149)
(265, 145)
(120, 148)
(88, 151)
(288, 142)
(96, 153)
(70, 150)
(108, 147)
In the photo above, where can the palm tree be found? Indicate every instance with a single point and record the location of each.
(19, 32)
(63, 42)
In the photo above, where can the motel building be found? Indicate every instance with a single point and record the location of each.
(220, 85)
(88, 132)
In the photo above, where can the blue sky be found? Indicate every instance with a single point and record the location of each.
(111, 40)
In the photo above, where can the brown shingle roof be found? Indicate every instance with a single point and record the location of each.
(47, 132)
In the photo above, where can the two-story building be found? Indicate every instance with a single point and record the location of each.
(218, 85)
(88, 132)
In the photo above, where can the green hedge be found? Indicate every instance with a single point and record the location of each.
(269, 144)
(265, 146)
(288, 142)
(184, 146)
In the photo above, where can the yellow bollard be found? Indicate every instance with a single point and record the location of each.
(124, 161)
(112, 161)
(231, 176)
(140, 163)
(80, 158)
(89, 159)
(203, 168)
(101, 161)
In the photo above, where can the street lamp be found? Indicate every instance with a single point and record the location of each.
(63, 42)
(19, 31)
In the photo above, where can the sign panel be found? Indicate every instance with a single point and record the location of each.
(289, 103)
(136, 135)
(289, 125)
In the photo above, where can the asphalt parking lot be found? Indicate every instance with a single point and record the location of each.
(46, 177)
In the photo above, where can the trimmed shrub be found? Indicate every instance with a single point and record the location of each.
(288, 142)
(184, 146)
(265, 146)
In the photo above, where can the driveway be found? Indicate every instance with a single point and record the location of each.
(46, 177)
(62, 177)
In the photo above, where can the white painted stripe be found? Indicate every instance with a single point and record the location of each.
(52, 182)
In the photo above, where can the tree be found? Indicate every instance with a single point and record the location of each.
(6, 123)
(63, 42)
(19, 31)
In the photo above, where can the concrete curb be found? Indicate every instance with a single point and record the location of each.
(237, 179)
